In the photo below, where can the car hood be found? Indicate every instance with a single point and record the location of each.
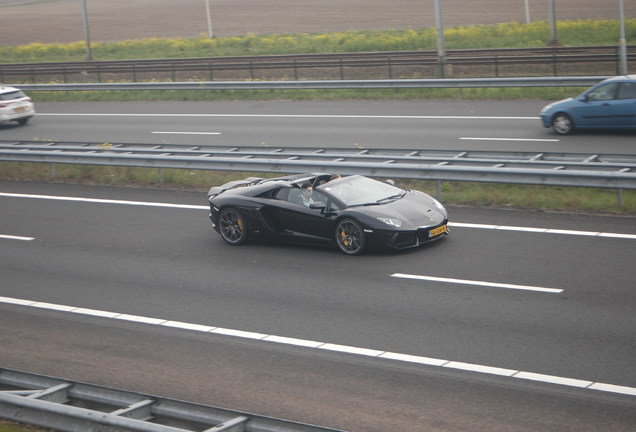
(414, 210)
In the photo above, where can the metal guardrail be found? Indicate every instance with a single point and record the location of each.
(70, 406)
(553, 169)
(576, 81)
(387, 61)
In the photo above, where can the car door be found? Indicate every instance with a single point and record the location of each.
(608, 105)
(300, 219)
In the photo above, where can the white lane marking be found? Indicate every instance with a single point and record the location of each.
(542, 230)
(477, 283)
(205, 207)
(105, 201)
(188, 133)
(298, 116)
(509, 139)
(489, 370)
(12, 237)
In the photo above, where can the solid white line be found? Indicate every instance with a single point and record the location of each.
(298, 116)
(12, 237)
(490, 370)
(205, 207)
(478, 283)
(189, 133)
(509, 139)
(542, 230)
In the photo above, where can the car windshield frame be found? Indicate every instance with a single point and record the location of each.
(355, 191)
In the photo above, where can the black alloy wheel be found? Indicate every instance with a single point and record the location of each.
(350, 237)
(562, 124)
(232, 227)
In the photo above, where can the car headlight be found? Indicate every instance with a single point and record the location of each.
(393, 222)
(545, 108)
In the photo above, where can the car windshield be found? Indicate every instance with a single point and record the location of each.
(359, 191)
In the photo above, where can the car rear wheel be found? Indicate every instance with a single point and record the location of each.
(23, 121)
(350, 237)
(232, 227)
(562, 124)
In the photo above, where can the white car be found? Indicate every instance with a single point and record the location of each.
(15, 106)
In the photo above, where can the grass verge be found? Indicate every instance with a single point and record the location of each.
(453, 193)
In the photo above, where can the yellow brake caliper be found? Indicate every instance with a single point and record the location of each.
(343, 236)
(239, 222)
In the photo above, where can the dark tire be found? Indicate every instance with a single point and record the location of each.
(562, 124)
(350, 237)
(232, 227)
(23, 121)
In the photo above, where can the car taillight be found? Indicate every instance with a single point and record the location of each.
(5, 104)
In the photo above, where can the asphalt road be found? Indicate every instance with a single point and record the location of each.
(561, 308)
(455, 125)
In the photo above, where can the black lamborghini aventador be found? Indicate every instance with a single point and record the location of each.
(352, 212)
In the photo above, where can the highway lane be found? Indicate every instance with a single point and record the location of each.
(453, 125)
(167, 263)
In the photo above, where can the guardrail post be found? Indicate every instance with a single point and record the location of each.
(390, 69)
(32, 75)
(160, 175)
(295, 71)
(554, 63)
(211, 74)
(619, 198)
(52, 170)
(439, 190)
(341, 70)
(252, 69)
(618, 60)
(99, 74)
(134, 73)
(173, 73)
(496, 66)
(64, 73)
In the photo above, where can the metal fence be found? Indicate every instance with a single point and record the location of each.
(575, 81)
(69, 406)
(551, 169)
(542, 61)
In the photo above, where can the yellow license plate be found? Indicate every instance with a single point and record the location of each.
(20, 109)
(437, 231)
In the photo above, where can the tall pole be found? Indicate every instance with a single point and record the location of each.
(527, 12)
(553, 36)
(207, 8)
(621, 42)
(87, 37)
(441, 49)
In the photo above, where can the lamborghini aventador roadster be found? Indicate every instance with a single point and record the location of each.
(354, 212)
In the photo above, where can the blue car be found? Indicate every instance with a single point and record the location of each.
(611, 104)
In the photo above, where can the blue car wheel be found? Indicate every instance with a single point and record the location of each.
(562, 124)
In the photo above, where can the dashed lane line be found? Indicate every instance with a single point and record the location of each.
(478, 283)
(12, 237)
(205, 207)
(449, 364)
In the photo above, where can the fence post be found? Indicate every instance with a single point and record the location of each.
(619, 198)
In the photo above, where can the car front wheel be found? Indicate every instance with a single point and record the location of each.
(232, 227)
(562, 124)
(350, 237)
